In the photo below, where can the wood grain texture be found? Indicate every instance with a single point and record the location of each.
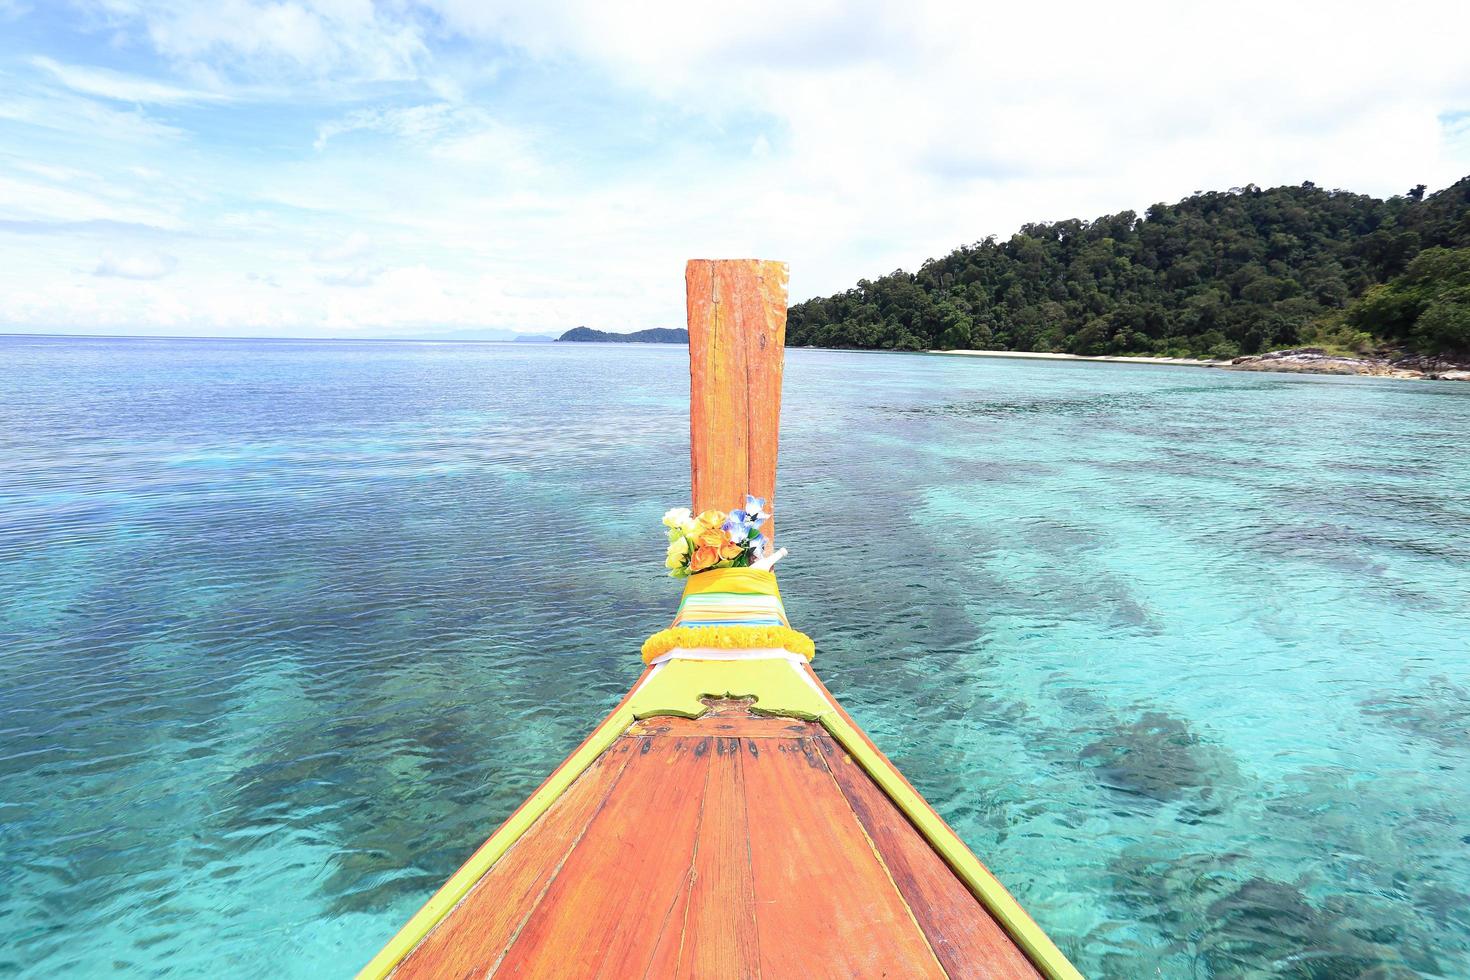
(1002, 906)
(825, 904)
(604, 912)
(472, 938)
(737, 339)
(968, 942)
(720, 938)
(754, 727)
(690, 851)
(827, 693)
(729, 717)
(489, 853)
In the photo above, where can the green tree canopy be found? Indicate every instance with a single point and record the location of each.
(1428, 306)
(1219, 274)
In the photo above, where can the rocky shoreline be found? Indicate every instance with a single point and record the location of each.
(1314, 360)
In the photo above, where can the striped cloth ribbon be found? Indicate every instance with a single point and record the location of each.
(730, 609)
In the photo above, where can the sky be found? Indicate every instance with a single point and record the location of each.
(472, 168)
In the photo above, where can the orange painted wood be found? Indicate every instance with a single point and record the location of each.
(719, 930)
(670, 942)
(737, 340)
(869, 742)
(825, 904)
(864, 735)
(730, 718)
(966, 939)
(685, 851)
(604, 912)
(475, 934)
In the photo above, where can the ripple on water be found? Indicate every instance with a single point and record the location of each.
(288, 628)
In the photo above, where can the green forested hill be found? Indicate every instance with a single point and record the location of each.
(1218, 274)
(653, 335)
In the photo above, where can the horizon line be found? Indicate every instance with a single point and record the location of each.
(173, 336)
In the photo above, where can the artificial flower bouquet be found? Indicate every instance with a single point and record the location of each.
(716, 539)
(738, 607)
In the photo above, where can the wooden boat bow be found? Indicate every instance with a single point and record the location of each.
(728, 818)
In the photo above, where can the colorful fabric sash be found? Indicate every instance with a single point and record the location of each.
(730, 609)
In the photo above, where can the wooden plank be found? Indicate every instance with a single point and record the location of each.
(730, 718)
(605, 910)
(755, 726)
(737, 337)
(476, 932)
(1001, 905)
(763, 304)
(453, 891)
(968, 942)
(719, 930)
(718, 447)
(670, 930)
(862, 734)
(825, 904)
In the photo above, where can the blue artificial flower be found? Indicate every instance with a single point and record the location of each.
(758, 549)
(755, 509)
(736, 526)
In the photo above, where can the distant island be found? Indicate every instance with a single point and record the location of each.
(533, 338)
(1218, 275)
(655, 335)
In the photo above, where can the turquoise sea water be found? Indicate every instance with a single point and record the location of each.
(287, 628)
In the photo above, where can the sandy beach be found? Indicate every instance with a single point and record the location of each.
(1306, 360)
(1034, 356)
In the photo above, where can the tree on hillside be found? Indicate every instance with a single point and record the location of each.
(1427, 307)
(1219, 273)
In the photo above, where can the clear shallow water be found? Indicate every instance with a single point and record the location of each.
(287, 628)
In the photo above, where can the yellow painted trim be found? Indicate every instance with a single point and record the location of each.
(674, 689)
(779, 688)
(1037, 945)
(458, 886)
(679, 686)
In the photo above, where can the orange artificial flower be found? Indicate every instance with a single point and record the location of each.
(730, 550)
(704, 558)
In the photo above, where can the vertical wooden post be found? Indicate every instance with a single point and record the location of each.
(737, 339)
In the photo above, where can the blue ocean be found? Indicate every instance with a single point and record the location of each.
(287, 628)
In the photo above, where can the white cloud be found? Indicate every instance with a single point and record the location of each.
(466, 163)
(118, 86)
(357, 276)
(52, 172)
(143, 265)
(909, 130)
(459, 133)
(353, 246)
(265, 40)
(76, 116)
(64, 199)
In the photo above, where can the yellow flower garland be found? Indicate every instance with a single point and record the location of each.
(728, 638)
